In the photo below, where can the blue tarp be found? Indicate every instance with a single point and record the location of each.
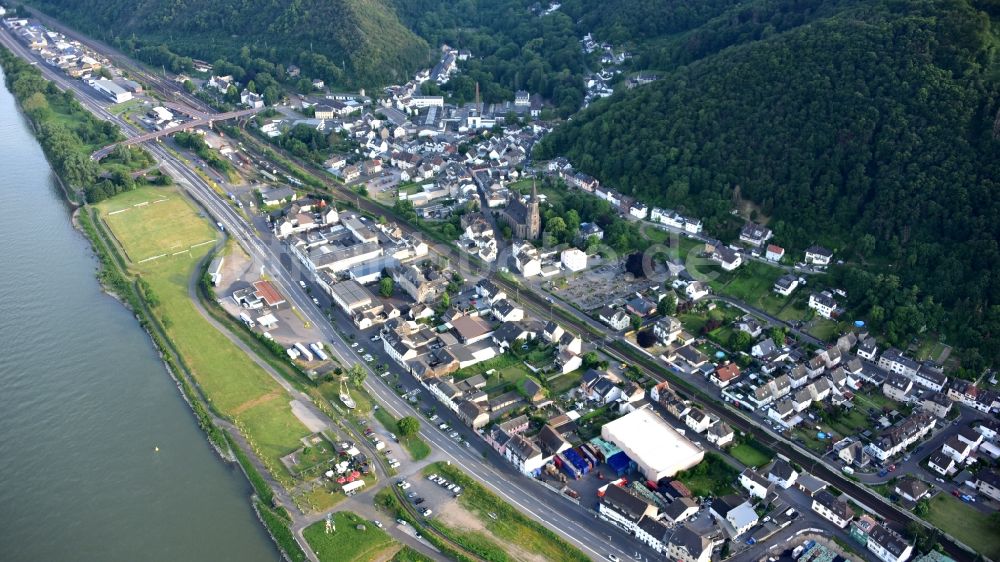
(620, 463)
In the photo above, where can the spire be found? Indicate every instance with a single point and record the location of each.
(534, 191)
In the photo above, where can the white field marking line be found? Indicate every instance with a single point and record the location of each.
(143, 204)
(203, 243)
(160, 201)
(180, 252)
(152, 258)
(119, 211)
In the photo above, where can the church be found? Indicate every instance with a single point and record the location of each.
(524, 219)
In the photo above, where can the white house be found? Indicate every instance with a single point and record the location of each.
(573, 259)
(823, 303)
(755, 484)
(834, 510)
(887, 545)
(818, 255)
(782, 474)
(774, 253)
(695, 290)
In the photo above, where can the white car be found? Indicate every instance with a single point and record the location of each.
(404, 485)
(302, 284)
(355, 344)
(368, 358)
(377, 523)
(427, 512)
(315, 301)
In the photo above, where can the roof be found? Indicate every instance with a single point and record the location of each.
(654, 528)
(622, 500)
(781, 469)
(819, 251)
(651, 441)
(912, 487)
(470, 327)
(838, 506)
(888, 540)
(266, 291)
(685, 538)
(727, 372)
(679, 508)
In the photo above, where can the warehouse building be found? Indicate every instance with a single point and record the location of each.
(658, 449)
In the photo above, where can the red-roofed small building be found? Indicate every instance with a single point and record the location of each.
(774, 253)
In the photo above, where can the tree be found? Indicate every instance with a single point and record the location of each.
(446, 300)
(408, 426)
(645, 338)
(740, 341)
(777, 334)
(591, 360)
(356, 374)
(386, 286)
(667, 305)
(635, 321)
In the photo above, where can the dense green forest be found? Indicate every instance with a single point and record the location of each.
(512, 48)
(871, 128)
(344, 42)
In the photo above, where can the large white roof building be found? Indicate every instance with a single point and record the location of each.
(658, 449)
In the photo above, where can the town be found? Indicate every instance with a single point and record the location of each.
(682, 397)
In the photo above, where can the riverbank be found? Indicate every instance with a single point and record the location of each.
(56, 118)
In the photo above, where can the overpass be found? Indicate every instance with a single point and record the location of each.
(198, 120)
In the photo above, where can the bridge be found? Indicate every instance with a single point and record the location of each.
(199, 119)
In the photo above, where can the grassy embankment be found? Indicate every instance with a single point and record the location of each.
(164, 240)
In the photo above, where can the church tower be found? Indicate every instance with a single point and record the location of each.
(534, 218)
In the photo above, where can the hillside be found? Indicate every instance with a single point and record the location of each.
(868, 128)
(347, 42)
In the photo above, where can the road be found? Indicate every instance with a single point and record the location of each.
(577, 525)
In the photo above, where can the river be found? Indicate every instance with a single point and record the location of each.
(84, 402)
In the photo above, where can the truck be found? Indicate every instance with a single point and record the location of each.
(305, 352)
(318, 348)
(247, 320)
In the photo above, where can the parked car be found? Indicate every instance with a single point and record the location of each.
(426, 512)
(377, 523)
(418, 501)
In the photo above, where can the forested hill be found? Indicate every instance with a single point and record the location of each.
(871, 128)
(345, 42)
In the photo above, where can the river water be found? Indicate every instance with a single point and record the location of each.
(84, 401)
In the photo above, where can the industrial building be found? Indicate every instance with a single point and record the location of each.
(658, 449)
(112, 91)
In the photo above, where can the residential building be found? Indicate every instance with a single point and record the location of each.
(897, 438)
(786, 284)
(755, 484)
(624, 508)
(887, 545)
(755, 234)
(652, 533)
(818, 255)
(680, 510)
(720, 434)
(687, 545)
(834, 510)
(735, 514)
(782, 473)
(942, 463)
(823, 303)
(667, 329)
(774, 253)
(615, 318)
(898, 387)
(988, 484)
(911, 489)
(894, 361)
(725, 374)
(937, 405)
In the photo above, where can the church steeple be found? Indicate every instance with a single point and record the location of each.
(534, 216)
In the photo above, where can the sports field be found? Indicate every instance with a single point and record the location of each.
(152, 223)
(236, 386)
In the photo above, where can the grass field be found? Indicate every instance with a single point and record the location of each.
(231, 381)
(510, 525)
(965, 523)
(348, 543)
(153, 221)
(749, 455)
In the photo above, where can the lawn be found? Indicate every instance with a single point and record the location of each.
(712, 477)
(234, 385)
(751, 282)
(965, 523)
(347, 542)
(562, 383)
(322, 497)
(511, 525)
(750, 455)
(150, 222)
(824, 329)
(853, 422)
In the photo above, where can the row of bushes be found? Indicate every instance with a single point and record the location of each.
(277, 526)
